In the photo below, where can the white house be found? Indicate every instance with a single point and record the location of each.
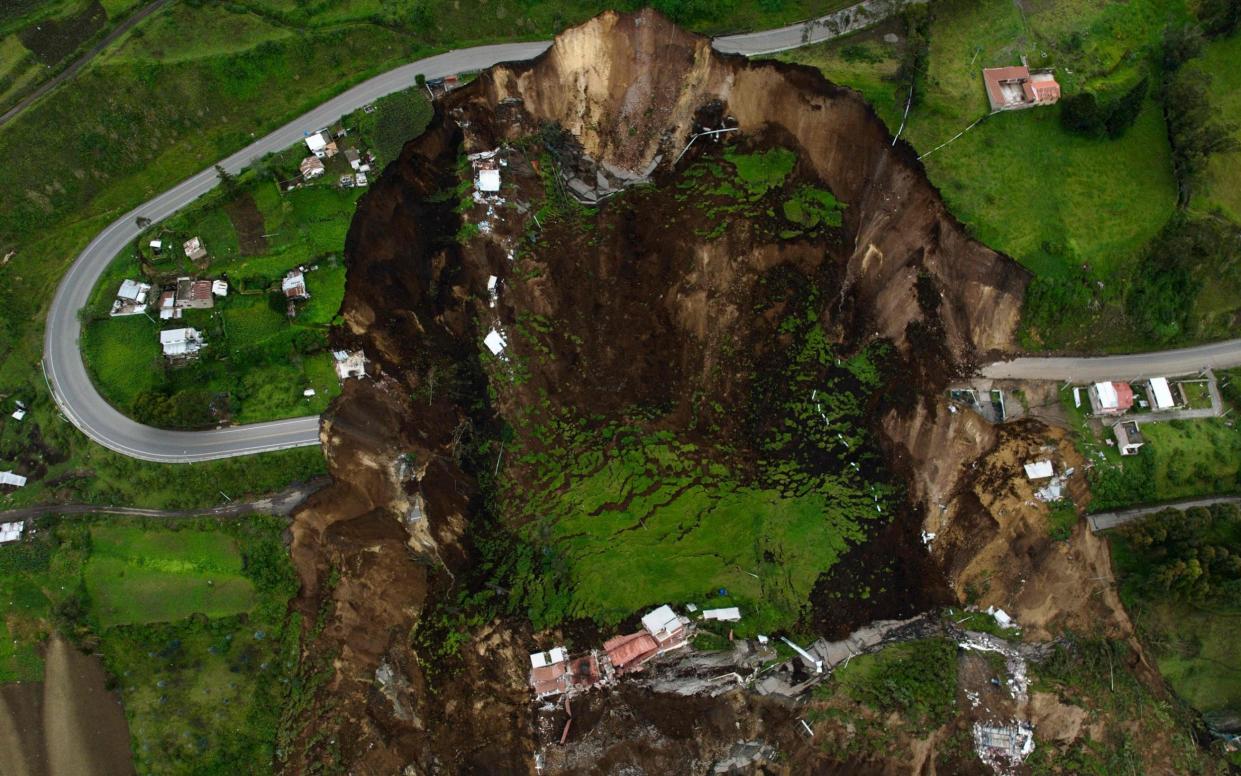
(666, 627)
(294, 285)
(321, 145)
(728, 614)
(488, 180)
(1161, 394)
(11, 532)
(179, 343)
(1039, 470)
(131, 298)
(219, 287)
(495, 342)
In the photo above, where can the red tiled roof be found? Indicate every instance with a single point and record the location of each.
(548, 679)
(633, 648)
(1124, 396)
(992, 76)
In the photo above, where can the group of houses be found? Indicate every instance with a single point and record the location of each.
(555, 672)
(1114, 400)
(323, 146)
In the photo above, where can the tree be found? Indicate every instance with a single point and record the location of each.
(1219, 18)
(1195, 129)
(1180, 44)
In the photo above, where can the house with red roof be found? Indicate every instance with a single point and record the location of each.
(1013, 88)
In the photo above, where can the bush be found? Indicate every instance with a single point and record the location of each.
(1086, 114)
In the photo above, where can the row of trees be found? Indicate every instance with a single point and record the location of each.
(1193, 554)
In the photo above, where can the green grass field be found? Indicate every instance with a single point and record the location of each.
(138, 576)
(1221, 190)
(1052, 200)
(201, 669)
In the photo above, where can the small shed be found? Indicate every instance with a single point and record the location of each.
(729, 614)
(219, 288)
(353, 157)
(11, 532)
(9, 478)
(157, 245)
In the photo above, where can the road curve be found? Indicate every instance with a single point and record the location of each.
(1217, 355)
(66, 373)
(75, 394)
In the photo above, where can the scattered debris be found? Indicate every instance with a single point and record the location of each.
(349, 364)
(311, 168)
(131, 298)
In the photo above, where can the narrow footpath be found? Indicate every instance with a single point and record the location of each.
(280, 504)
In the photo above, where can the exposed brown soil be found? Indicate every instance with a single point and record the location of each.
(67, 724)
(646, 313)
(51, 40)
(248, 223)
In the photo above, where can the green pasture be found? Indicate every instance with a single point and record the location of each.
(139, 576)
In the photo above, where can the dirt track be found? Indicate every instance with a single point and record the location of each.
(68, 724)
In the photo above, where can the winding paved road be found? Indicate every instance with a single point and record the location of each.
(77, 398)
(1217, 355)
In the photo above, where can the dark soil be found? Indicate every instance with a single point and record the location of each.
(51, 40)
(248, 222)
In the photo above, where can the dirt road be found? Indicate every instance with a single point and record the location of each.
(281, 504)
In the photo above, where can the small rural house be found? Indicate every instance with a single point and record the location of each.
(11, 479)
(1039, 470)
(294, 285)
(354, 158)
(181, 343)
(728, 614)
(194, 294)
(360, 181)
(1160, 394)
(1128, 437)
(321, 144)
(194, 249)
(1110, 398)
(312, 167)
(156, 246)
(1013, 88)
(131, 298)
(11, 532)
(349, 364)
(219, 288)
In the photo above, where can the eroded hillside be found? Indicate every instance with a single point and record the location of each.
(710, 375)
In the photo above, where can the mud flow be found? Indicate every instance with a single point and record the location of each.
(689, 349)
